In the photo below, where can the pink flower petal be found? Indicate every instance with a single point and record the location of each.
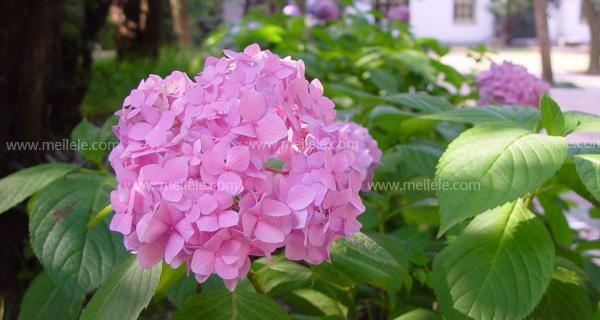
(271, 128)
(275, 208)
(252, 105)
(174, 246)
(238, 158)
(203, 262)
(229, 182)
(139, 131)
(299, 197)
(150, 254)
(228, 218)
(268, 233)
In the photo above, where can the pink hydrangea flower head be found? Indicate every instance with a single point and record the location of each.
(292, 10)
(197, 180)
(509, 83)
(324, 10)
(399, 13)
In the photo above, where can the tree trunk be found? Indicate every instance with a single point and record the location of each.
(28, 31)
(540, 8)
(71, 66)
(592, 15)
(140, 32)
(181, 22)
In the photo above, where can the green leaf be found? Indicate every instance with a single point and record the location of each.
(553, 212)
(563, 300)
(519, 116)
(498, 268)
(552, 118)
(388, 117)
(22, 184)
(588, 167)
(406, 161)
(280, 274)
(490, 165)
(568, 176)
(182, 289)
(364, 260)
(418, 314)
(420, 102)
(87, 137)
(417, 62)
(324, 304)
(125, 293)
(76, 257)
(45, 300)
(576, 121)
(384, 80)
(222, 304)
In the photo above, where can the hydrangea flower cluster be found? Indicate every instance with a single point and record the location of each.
(292, 10)
(509, 83)
(324, 10)
(399, 13)
(244, 159)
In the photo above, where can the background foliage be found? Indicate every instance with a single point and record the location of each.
(500, 249)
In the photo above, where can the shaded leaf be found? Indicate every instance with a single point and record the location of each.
(45, 300)
(222, 304)
(125, 293)
(76, 257)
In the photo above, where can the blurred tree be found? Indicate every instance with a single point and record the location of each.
(540, 11)
(140, 26)
(46, 48)
(181, 22)
(508, 13)
(592, 15)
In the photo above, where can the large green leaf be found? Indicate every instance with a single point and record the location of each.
(45, 300)
(563, 300)
(364, 260)
(553, 119)
(22, 184)
(125, 293)
(76, 257)
(498, 268)
(588, 167)
(225, 305)
(520, 116)
(490, 165)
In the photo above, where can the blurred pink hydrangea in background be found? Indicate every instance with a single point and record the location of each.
(399, 13)
(292, 10)
(324, 10)
(509, 83)
(242, 160)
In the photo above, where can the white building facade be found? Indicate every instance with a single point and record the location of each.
(470, 21)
